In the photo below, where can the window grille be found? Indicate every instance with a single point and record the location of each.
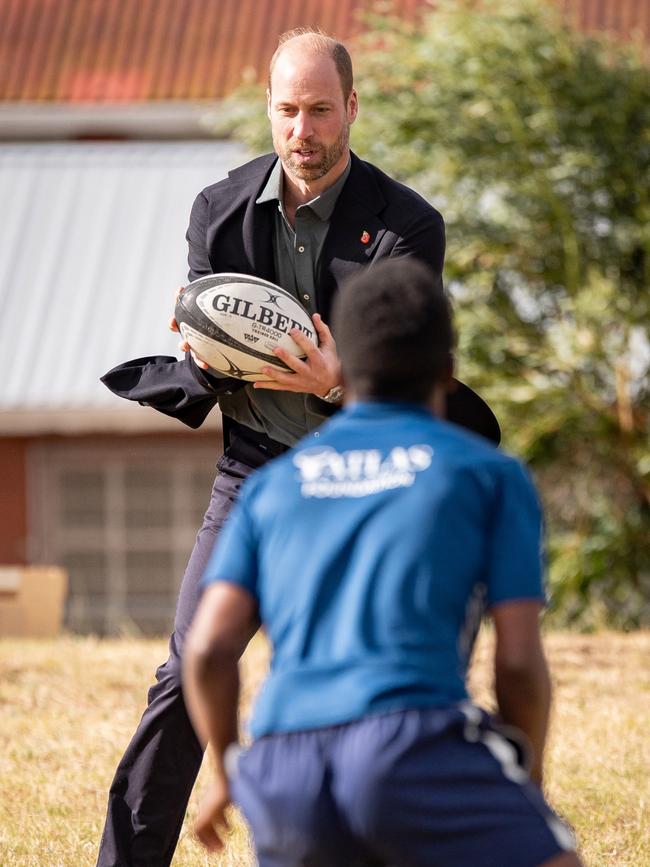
(122, 520)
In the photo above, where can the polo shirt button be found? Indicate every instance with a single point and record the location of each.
(316, 434)
(301, 249)
(306, 297)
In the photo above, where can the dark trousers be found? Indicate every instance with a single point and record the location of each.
(154, 780)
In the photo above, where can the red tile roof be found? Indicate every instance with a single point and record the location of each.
(624, 17)
(124, 50)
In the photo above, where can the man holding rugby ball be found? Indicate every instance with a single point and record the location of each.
(306, 217)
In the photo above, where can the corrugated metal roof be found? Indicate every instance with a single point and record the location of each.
(91, 252)
(121, 50)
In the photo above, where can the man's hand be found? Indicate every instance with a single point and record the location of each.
(212, 822)
(316, 374)
(184, 346)
(173, 324)
(522, 683)
(224, 623)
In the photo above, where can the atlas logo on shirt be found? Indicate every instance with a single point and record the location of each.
(324, 472)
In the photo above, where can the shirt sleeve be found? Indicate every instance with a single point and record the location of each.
(234, 557)
(514, 556)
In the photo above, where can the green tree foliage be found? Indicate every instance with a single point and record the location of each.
(534, 142)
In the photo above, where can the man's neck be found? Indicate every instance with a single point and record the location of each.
(296, 192)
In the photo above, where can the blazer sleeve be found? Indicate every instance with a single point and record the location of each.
(197, 239)
(175, 388)
(425, 240)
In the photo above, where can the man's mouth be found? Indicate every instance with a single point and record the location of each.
(304, 154)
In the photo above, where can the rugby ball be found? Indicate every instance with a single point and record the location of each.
(235, 321)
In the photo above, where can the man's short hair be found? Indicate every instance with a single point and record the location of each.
(394, 333)
(319, 43)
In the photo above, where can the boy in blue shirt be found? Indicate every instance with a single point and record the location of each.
(370, 561)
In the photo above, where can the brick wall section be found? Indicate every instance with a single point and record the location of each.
(13, 501)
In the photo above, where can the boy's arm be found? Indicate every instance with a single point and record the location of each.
(225, 622)
(522, 682)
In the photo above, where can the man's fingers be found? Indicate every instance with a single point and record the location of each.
(173, 324)
(277, 378)
(199, 361)
(184, 346)
(303, 342)
(286, 380)
(271, 385)
(323, 331)
(207, 835)
(212, 821)
(314, 374)
(296, 364)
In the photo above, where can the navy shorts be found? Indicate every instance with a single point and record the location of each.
(417, 788)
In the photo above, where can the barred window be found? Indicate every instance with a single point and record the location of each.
(122, 520)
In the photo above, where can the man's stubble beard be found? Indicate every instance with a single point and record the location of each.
(329, 156)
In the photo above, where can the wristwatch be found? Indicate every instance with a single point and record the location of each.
(334, 395)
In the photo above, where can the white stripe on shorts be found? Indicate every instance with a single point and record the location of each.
(506, 755)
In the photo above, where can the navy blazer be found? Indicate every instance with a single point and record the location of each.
(374, 217)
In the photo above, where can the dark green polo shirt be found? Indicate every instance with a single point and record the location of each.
(283, 415)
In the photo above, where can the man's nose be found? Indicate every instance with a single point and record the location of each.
(302, 127)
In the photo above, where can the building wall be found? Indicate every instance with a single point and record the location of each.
(119, 513)
(13, 501)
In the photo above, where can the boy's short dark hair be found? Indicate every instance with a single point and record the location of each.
(393, 329)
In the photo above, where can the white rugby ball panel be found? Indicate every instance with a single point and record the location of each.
(234, 321)
(226, 359)
(242, 313)
(212, 335)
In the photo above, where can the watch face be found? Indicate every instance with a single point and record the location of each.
(335, 394)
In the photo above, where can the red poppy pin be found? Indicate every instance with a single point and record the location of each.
(365, 237)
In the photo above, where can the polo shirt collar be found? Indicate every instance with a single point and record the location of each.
(322, 205)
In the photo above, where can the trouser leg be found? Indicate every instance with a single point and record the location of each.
(154, 780)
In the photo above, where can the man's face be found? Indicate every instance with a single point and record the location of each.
(310, 120)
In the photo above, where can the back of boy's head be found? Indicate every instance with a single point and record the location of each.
(393, 330)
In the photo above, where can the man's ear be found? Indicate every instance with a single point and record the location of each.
(268, 103)
(353, 106)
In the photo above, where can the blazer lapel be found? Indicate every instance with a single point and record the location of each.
(354, 235)
(258, 238)
(245, 243)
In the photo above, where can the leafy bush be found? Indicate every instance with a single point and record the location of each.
(533, 140)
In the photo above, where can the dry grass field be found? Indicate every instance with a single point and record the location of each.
(68, 707)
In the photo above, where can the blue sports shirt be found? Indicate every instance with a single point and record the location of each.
(372, 557)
